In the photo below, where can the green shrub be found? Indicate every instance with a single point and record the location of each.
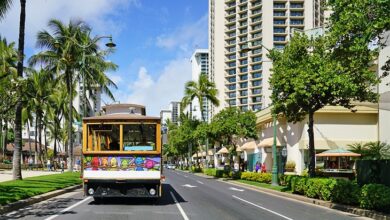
(257, 177)
(196, 169)
(298, 185)
(210, 172)
(345, 191)
(319, 188)
(375, 196)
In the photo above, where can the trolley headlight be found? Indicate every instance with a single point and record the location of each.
(91, 191)
(152, 192)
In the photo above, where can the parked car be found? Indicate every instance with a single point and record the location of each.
(171, 166)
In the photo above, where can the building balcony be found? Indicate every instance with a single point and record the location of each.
(230, 15)
(257, 22)
(256, 5)
(242, 2)
(227, 22)
(255, 14)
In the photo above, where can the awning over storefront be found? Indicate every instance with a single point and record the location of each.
(251, 145)
(338, 153)
(224, 150)
(203, 154)
(268, 142)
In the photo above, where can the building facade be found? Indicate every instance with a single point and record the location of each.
(200, 65)
(241, 33)
(165, 115)
(174, 107)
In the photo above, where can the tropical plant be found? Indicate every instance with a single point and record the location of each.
(204, 91)
(306, 78)
(371, 150)
(4, 7)
(65, 55)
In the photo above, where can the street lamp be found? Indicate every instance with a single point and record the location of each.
(275, 181)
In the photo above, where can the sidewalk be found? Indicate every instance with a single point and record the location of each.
(6, 175)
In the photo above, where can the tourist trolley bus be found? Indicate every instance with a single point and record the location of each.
(122, 153)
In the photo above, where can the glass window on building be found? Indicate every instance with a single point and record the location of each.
(279, 30)
(243, 54)
(243, 93)
(256, 59)
(243, 39)
(244, 77)
(232, 64)
(296, 13)
(256, 91)
(256, 67)
(279, 38)
(244, 101)
(279, 21)
(256, 35)
(256, 75)
(232, 72)
(243, 85)
(232, 94)
(243, 23)
(279, 5)
(232, 102)
(256, 99)
(296, 5)
(296, 21)
(231, 87)
(279, 46)
(256, 83)
(231, 57)
(257, 51)
(244, 69)
(243, 31)
(243, 62)
(256, 19)
(256, 107)
(244, 108)
(257, 11)
(232, 79)
(279, 13)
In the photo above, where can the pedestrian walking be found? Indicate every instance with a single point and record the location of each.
(263, 168)
(48, 165)
(257, 167)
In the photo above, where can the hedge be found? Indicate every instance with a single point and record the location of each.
(257, 177)
(375, 196)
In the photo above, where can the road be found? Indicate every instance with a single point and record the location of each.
(185, 196)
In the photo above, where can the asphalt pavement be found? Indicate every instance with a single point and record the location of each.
(185, 196)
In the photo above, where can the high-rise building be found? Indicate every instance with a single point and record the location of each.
(200, 65)
(241, 33)
(175, 109)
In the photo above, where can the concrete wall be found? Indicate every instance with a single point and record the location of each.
(384, 91)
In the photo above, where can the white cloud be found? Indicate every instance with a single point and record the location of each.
(115, 78)
(185, 37)
(157, 94)
(38, 13)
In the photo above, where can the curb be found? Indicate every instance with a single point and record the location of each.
(299, 198)
(327, 204)
(35, 199)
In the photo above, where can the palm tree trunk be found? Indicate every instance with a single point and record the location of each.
(36, 139)
(28, 133)
(16, 160)
(70, 120)
(40, 141)
(1, 136)
(310, 132)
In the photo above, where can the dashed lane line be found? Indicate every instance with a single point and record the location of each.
(69, 208)
(261, 207)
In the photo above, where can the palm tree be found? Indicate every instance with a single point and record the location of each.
(67, 58)
(4, 7)
(204, 91)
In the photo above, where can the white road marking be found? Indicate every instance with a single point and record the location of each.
(185, 217)
(261, 207)
(189, 186)
(69, 208)
(11, 213)
(236, 189)
(185, 176)
(199, 182)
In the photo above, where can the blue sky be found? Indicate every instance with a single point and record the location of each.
(154, 38)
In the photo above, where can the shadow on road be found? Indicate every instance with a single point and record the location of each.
(43, 210)
(166, 199)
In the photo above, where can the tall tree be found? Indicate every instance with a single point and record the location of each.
(306, 78)
(204, 91)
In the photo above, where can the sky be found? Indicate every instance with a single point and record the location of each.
(155, 40)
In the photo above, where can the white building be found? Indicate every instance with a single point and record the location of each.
(241, 32)
(200, 65)
(384, 92)
(165, 115)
